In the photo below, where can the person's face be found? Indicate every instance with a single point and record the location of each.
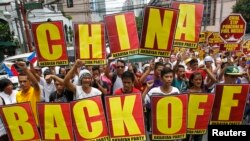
(173, 58)
(167, 79)
(63, 71)
(127, 85)
(101, 68)
(181, 73)
(197, 81)
(208, 63)
(242, 63)
(24, 82)
(96, 73)
(194, 66)
(39, 72)
(86, 81)
(230, 79)
(49, 80)
(120, 67)
(158, 70)
(8, 89)
(59, 87)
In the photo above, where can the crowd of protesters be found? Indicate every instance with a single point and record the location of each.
(180, 73)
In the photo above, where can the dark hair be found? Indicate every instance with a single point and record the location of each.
(60, 76)
(47, 72)
(128, 74)
(193, 61)
(180, 66)
(4, 83)
(121, 61)
(157, 64)
(94, 68)
(166, 71)
(191, 84)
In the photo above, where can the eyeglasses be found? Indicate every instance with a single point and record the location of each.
(119, 67)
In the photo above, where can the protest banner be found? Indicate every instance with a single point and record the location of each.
(229, 103)
(19, 122)
(199, 112)
(125, 117)
(189, 24)
(55, 121)
(49, 43)
(89, 122)
(230, 47)
(170, 123)
(158, 31)
(233, 28)
(214, 40)
(246, 47)
(122, 34)
(90, 43)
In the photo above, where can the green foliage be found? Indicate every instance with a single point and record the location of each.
(243, 7)
(5, 32)
(139, 24)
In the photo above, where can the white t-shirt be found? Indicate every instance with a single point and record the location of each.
(117, 84)
(9, 99)
(157, 91)
(47, 89)
(81, 94)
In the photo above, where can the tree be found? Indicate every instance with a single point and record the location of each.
(242, 7)
(5, 32)
(139, 24)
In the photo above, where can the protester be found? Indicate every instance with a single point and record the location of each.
(85, 79)
(61, 94)
(7, 92)
(30, 89)
(128, 80)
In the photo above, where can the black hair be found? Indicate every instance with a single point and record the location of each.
(166, 71)
(4, 83)
(157, 64)
(191, 84)
(128, 74)
(193, 61)
(122, 61)
(180, 66)
(94, 68)
(47, 72)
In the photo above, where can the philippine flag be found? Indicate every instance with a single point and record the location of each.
(32, 58)
(10, 69)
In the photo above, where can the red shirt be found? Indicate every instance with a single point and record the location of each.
(120, 92)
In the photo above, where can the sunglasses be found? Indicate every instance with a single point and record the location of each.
(119, 67)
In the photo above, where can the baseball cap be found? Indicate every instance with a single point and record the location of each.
(232, 70)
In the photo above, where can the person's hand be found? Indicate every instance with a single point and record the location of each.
(79, 63)
(47, 77)
(150, 83)
(152, 65)
(21, 65)
(97, 79)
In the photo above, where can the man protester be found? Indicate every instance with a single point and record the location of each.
(30, 88)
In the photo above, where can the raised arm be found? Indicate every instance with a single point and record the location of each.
(70, 86)
(31, 77)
